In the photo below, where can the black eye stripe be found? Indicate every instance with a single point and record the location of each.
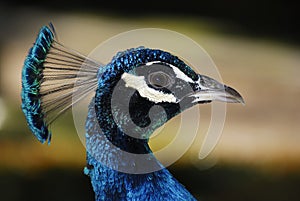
(163, 71)
(157, 74)
(186, 70)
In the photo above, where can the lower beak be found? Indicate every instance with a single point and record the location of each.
(208, 89)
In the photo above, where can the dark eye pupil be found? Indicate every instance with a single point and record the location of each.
(159, 79)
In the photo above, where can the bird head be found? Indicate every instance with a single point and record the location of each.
(141, 89)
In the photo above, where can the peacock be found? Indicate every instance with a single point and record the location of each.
(120, 163)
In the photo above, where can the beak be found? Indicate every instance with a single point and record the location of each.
(208, 89)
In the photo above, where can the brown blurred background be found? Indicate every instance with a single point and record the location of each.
(255, 46)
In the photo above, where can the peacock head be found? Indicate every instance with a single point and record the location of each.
(137, 92)
(141, 89)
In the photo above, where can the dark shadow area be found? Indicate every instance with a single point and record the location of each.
(233, 183)
(218, 183)
(268, 19)
(53, 184)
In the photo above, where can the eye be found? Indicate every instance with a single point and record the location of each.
(159, 79)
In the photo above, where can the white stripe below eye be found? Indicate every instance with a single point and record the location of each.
(139, 83)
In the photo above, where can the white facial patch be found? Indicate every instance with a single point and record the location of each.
(139, 83)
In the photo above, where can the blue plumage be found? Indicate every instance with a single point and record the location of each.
(121, 165)
(32, 76)
(104, 159)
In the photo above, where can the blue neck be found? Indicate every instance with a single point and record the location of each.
(104, 160)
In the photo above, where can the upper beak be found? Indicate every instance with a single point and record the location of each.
(208, 89)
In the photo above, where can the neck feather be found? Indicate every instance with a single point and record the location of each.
(105, 160)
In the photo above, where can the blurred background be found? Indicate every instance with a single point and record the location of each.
(255, 46)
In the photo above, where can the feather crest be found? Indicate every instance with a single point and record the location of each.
(53, 79)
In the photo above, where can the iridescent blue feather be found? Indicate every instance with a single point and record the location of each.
(32, 76)
(53, 79)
